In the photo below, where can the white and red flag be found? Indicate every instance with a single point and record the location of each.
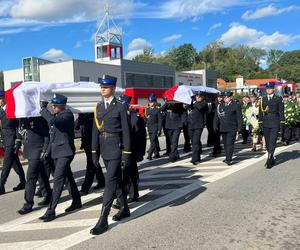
(23, 100)
(184, 93)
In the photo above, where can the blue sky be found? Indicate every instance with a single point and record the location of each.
(62, 29)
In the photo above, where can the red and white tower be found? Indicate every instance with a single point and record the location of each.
(108, 40)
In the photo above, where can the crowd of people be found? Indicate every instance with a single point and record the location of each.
(118, 134)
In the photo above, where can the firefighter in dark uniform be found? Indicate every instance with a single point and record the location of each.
(12, 144)
(167, 139)
(217, 149)
(85, 123)
(62, 150)
(154, 125)
(197, 121)
(185, 129)
(111, 135)
(271, 119)
(36, 140)
(138, 148)
(174, 123)
(229, 119)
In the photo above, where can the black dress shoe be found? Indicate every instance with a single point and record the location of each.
(195, 162)
(100, 228)
(20, 186)
(149, 158)
(156, 156)
(48, 217)
(123, 213)
(45, 202)
(73, 207)
(229, 163)
(99, 186)
(134, 199)
(2, 190)
(25, 210)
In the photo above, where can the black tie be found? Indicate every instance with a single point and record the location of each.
(106, 105)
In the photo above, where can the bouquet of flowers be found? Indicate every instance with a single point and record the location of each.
(251, 119)
(291, 113)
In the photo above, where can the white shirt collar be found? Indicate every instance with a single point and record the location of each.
(109, 100)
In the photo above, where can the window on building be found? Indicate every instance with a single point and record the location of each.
(84, 79)
(148, 81)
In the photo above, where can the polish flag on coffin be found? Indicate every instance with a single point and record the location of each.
(184, 93)
(23, 100)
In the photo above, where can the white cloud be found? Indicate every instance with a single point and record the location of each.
(171, 38)
(214, 27)
(182, 9)
(131, 54)
(241, 34)
(138, 43)
(55, 55)
(269, 10)
(136, 47)
(11, 31)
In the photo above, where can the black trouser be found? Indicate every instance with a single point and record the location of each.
(245, 134)
(168, 142)
(196, 144)
(286, 134)
(131, 179)
(49, 169)
(91, 171)
(61, 172)
(217, 142)
(174, 137)
(11, 160)
(187, 138)
(271, 135)
(211, 135)
(114, 187)
(228, 141)
(35, 169)
(154, 144)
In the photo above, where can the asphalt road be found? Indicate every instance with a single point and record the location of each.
(208, 206)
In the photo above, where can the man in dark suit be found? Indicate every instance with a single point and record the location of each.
(196, 122)
(36, 140)
(217, 149)
(85, 123)
(12, 144)
(154, 125)
(62, 151)
(271, 119)
(138, 148)
(229, 119)
(174, 124)
(111, 135)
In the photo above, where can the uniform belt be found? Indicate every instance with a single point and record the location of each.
(109, 135)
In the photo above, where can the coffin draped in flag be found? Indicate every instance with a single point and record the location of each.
(23, 100)
(184, 93)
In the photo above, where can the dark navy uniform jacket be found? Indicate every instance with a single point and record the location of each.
(271, 113)
(111, 130)
(138, 135)
(198, 116)
(153, 119)
(61, 133)
(228, 117)
(175, 115)
(36, 138)
(85, 123)
(9, 129)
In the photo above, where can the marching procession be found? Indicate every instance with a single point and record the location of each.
(117, 134)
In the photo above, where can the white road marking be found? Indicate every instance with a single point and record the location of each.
(143, 208)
